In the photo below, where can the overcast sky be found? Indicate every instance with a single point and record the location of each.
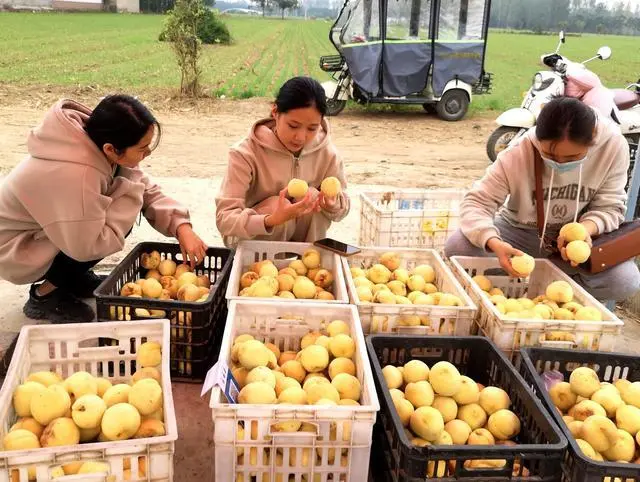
(613, 2)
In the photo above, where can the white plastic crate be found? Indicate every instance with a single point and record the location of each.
(66, 349)
(410, 218)
(282, 253)
(285, 325)
(383, 318)
(512, 334)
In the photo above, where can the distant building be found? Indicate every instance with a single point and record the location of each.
(26, 4)
(132, 6)
(242, 11)
(77, 5)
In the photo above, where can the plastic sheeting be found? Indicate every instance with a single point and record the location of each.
(461, 61)
(400, 63)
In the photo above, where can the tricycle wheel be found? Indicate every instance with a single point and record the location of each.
(453, 105)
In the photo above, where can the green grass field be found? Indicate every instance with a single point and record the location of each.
(122, 52)
(515, 58)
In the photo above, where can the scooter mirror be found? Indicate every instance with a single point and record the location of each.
(604, 52)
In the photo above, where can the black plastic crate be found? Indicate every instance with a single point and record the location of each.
(378, 469)
(609, 367)
(540, 444)
(196, 328)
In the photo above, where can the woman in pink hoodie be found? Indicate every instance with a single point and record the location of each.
(76, 197)
(293, 143)
(584, 168)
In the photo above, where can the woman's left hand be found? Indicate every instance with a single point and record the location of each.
(327, 203)
(193, 248)
(591, 229)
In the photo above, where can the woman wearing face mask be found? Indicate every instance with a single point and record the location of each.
(76, 197)
(294, 142)
(584, 177)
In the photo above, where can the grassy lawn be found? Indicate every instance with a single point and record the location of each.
(122, 52)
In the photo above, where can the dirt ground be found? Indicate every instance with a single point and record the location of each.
(407, 148)
(403, 149)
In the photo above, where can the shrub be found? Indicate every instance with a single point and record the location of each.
(210, 28)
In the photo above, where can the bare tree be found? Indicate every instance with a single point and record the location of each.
(182, 32)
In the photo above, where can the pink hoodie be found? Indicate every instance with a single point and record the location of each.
(595, 191)
(63, 197)
(260, 167)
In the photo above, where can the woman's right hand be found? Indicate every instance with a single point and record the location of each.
(287, 210)
(504, 251)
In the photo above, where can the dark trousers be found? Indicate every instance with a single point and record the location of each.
(65, 271)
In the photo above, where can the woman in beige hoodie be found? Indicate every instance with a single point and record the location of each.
(76, 197)
(586, 159)
(293, 143)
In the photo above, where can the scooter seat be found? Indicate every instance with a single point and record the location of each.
(625, 99)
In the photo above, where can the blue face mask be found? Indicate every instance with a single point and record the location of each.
(562, 167)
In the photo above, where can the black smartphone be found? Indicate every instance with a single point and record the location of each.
(343, 249)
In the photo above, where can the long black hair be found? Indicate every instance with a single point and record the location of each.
(120, 120)
(566, 118)
(300, 92)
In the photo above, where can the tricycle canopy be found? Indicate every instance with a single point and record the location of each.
(395, 48)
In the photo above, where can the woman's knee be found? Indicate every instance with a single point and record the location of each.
(459, 245)
(281, 232)
(618, 283)
(625, 280)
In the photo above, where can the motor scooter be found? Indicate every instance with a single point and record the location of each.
(565, 77)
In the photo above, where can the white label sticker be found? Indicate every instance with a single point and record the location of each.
(209, 381)
(220, 375)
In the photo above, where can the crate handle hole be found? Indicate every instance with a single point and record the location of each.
(91, 343)
(418, 330)
(505, 470)
(286, 255)
(274, 432)
(426, 352)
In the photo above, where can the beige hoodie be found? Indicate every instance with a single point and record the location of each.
(260, 167)
(63, 197)
(595, 191)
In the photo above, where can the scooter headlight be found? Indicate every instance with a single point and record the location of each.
(537, 82)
